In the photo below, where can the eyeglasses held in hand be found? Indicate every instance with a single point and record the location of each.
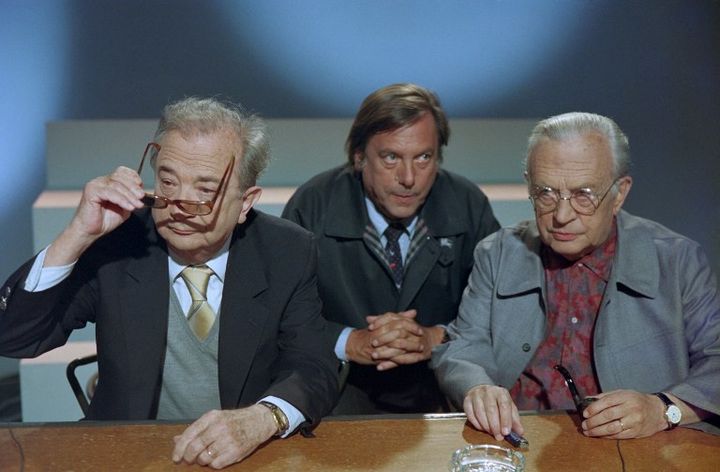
(191, 207)
(580, 402)
(583, 200)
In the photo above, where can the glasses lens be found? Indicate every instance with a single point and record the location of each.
(194, 208)
(154, 201)
(584, 202)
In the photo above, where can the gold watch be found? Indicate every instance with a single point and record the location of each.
(281, 421)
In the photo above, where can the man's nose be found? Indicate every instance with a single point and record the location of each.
(406, 174)
(564, 212)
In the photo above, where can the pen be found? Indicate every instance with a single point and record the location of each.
(516, 440)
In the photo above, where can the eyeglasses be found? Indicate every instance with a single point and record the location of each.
(583, 200)
(580, 402)
(191, 207)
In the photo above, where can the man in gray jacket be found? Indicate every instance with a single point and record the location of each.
(629, 308)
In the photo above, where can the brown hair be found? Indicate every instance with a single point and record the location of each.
(393, 107)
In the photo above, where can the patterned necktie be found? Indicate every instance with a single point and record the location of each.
(201, 317)
(392, 251)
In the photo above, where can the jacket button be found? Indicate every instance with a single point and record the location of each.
(526, 347)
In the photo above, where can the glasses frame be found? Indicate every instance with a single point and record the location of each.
(558, 198)
(191, 207)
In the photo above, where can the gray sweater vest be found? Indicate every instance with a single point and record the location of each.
(190, 373)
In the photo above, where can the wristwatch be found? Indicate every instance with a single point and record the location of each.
(281, 421)
(673, 415)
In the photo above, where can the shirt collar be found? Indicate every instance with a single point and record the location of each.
(379, 221)
(218, 263)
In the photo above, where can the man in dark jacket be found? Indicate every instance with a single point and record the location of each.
(205, 309)
(396, 235)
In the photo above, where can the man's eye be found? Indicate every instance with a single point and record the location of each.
(424, 157)
(389, 158)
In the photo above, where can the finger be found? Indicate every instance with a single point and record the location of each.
(409, 313)
(492, 411)
(469, 409)
(505, 406)
(603, 417)
(377, 321)
(189, 443)
(386, 365)
(406, 359)
(481, 413)
(516, 424)
(409, 343)
(612, 429)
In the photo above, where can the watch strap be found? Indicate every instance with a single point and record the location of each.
(668, 403)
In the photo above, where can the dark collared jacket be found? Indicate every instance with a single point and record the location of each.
(354, 282)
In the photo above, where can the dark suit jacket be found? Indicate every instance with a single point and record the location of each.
(269, 326)
(355, 283)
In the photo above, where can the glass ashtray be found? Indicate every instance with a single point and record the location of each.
(486, 458)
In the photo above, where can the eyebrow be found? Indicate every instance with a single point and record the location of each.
(199, 179)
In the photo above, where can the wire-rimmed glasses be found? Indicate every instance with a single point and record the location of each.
(583, 200)
(191, 207)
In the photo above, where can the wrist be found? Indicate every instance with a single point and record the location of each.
(279, 419)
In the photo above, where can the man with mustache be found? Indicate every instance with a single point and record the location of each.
(395, 237)
(204, 309)
(629, 308)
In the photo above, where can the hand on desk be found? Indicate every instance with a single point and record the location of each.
(490, 408)
(223, 437)
(624, 414)
(392, 339)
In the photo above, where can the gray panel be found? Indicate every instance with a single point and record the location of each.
(80, 150)
(484, 150)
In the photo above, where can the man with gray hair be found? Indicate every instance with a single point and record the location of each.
(623, 305)
(205, 309)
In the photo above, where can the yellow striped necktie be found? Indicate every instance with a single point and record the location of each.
(201, 316)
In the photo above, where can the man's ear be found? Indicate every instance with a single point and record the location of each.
(249, 198)
(624, 184)
(359, 160)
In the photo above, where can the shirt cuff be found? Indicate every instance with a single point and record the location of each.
(295, 418)
(42, 278)
(341, 343)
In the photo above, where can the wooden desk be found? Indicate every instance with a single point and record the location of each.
(367, 444)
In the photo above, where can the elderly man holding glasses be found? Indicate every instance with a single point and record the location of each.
(205, 309)
(623, 305)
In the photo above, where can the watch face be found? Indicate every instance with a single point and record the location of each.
(673, 414)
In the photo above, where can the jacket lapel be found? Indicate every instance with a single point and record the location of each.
(144, 314)
(241, 316)
(443, 226)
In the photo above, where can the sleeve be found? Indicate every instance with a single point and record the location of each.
(307, 370)
(701, 313)
(467, 359)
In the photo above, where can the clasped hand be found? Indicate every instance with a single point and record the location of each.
(392, 339)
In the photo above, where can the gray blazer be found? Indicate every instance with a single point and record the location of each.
(658, 328)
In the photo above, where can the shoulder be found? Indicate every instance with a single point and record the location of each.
(633, 229)
(522, 236)
(322, 183)
(273, 228)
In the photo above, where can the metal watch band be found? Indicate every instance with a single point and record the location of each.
(281, 421)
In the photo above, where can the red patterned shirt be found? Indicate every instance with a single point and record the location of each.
(574, 291)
